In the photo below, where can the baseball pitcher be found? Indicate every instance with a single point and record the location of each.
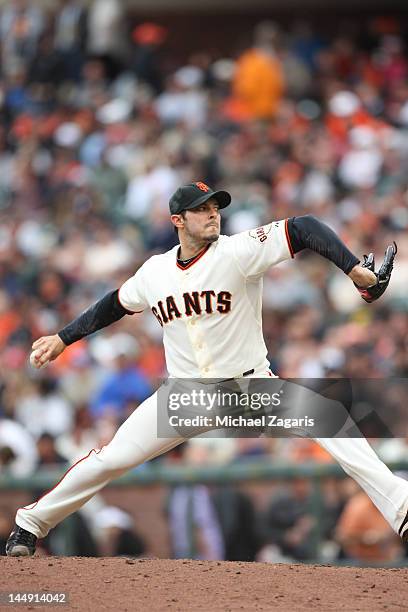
(206, 293)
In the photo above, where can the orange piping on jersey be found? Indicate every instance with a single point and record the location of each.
(288, 239)
(196, 258)
(131, 312)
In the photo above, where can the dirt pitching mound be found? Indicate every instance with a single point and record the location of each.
(158, 584)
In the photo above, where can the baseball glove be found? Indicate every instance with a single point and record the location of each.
(372, 293)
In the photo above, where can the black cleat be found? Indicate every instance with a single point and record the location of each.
(21, 543)
(403, 530)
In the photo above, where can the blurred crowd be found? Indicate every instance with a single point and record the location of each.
(99, 126)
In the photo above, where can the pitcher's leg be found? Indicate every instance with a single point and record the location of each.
(386, 490)
(134, 443)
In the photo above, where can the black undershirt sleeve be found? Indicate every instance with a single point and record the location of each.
(307, 232)
(99, 315)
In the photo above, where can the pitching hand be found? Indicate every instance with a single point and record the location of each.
(47, 349)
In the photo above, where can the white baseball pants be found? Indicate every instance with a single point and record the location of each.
(136, 442)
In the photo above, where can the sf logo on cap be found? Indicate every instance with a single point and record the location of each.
(203, 186)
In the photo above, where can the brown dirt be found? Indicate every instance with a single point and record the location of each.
(158, 584)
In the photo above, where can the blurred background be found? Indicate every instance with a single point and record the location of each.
(105, 108)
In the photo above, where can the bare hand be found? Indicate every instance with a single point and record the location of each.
(48, 348)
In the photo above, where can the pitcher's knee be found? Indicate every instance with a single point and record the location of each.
(115, 458)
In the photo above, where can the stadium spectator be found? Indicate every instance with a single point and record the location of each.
(21, 25)
(195, 527)
(116, 534)
(127, 387)
(70, 36)
(288, 522)
(48, 455)
(18, 454)
(364, 535)
(259, 81)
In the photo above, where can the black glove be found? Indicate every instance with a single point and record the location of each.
(372, 293)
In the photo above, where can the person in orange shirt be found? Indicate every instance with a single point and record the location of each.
(258, 83)
(364, 534)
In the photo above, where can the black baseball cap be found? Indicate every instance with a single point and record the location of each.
(193, 195)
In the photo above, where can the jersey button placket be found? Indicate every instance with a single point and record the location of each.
(198, 345)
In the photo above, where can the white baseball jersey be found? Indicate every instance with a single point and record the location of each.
(211, 310)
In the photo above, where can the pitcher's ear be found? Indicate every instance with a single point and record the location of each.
(177, 220)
